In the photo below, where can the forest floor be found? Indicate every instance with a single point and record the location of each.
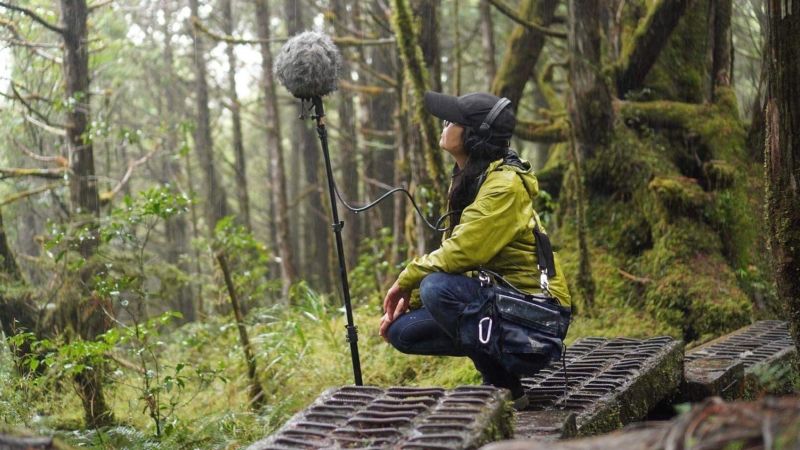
(300, 351)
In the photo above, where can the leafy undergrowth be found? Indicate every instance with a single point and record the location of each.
(301, 351)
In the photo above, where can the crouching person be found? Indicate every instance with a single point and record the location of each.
(491, 227)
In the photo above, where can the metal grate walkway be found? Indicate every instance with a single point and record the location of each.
(752, 360)
(611, 382)
(402, 418)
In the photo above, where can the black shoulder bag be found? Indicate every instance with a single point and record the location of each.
(523, 332)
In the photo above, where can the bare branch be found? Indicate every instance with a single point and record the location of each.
(107, 196)
(125, 364)
(634, 278)
(58, 131)
(350, 41)
(31, 192)
(37, 18)
(96, 6)
(28, 105)
(55, 173)
(60, 160)
(344, 41)
(198, 26)
(364, 67)
(363, 89)
(21, 41)
(549, 132)
(511, 14)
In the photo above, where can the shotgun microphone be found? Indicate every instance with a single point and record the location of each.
(309, 65)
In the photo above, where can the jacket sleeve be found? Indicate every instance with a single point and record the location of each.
(487, 225)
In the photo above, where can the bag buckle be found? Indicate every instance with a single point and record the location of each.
(544, 283)
(484, 278)
(484, 339)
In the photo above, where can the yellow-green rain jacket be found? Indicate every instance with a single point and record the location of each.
(496, 233)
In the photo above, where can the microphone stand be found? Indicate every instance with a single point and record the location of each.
(352, 330)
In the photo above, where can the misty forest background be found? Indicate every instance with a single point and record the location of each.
(168, 276)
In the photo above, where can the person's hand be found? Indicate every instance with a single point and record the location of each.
(396, 301)
(385, 322)
(394, 304)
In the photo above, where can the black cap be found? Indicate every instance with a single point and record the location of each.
(471, 110)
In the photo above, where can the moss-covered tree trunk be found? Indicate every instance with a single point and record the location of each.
(782, 153)
(8, 263)
(523, 48)
(429, 180)
(668, 217)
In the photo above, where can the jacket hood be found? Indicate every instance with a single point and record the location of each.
(512, 161)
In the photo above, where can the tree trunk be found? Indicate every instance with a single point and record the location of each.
(428, 13)
(487, 42)
(782, 155)
(651, 36)
(176, 227)
(523, 48)
(257, 398)
(402, 175)
(314, 233)
(378, 128)
(590, 105)
(424, 144)
(456, 47)
(216, 199)
(722, 45)
(83, 194)
(240, 165)
(272, 119)
(8, 264)
(348, 143)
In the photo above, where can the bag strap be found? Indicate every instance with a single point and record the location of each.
(544, 252)
(544, 249)
(545, 258)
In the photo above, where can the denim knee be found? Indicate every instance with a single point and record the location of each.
(432, 288)
(394, 335)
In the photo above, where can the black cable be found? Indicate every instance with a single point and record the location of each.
(358, 209)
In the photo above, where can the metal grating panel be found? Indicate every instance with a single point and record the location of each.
(716, 367)
(398, 417)
(611, 382)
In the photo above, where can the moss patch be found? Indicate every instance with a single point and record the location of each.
(678, 195)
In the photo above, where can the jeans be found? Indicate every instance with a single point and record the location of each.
(433, 329)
